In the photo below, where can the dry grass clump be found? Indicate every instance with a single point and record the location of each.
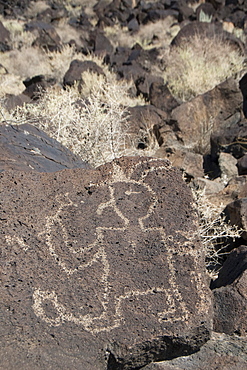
(199, 65)
(214, 231)
(158, 34)
(18, 36)
(95, 127)
(10, 84)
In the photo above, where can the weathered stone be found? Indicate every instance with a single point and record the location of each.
(77, 67)
(35, 85)
(4, 38)
(13, 101)
(209, 186)
(236, 213)
(206, 30)
(101, 262)
(133, 25)
(161, 97)
(230, 139)
(47, 36)
(4, 34)
(233, 267)
(144, 83)
(142, 120)
(230, 307)
(242, 165)
(101, 44)
(236, 188)
(190, 163)
(228, 166)
(26, 148)
(220, 352)
(194, 121)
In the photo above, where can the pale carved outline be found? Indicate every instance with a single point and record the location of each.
(91, 323)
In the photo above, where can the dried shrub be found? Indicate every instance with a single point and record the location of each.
(95, 126)
(215, 232)
(199, 65)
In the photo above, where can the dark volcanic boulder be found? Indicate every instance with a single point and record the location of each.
(47, 36)
(207, 30)
(26, 148)
(231, 139)
(77, 67)
(35, 85)
(101, 269)
(195, 120)
(236, 213)
(221, 352)
(161, 97)
(230, 301)
(13, 7)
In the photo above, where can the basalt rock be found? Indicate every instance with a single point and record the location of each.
(101, 269)
(230, 139)
(47, 36)
(195, 121)
(26, 148)
(36, 85)
(77, 67)
(230, 307)
(236, 213)
(207, 30)
(220, 352)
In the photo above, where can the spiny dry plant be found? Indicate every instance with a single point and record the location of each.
(214, 231)
(199, 64)
(94, 127)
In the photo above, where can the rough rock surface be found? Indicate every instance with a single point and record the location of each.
(230, 138)
(230, 307)
(220, 352)
(230, 294)
(234, 266)
(77, 67)
(26, 148)
(194, 121)
(47, 36)
(236, 213)
(100, 268)
(207, 30)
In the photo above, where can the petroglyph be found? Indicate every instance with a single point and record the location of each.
(10, 240)
(110, 244)
(125, 195)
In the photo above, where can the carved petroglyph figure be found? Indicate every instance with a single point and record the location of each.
(114, 254)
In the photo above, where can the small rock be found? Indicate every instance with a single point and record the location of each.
(161, 97)
(242, 165)
(233, 267)
(230, 306)
(228, 166)
(236, 213)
